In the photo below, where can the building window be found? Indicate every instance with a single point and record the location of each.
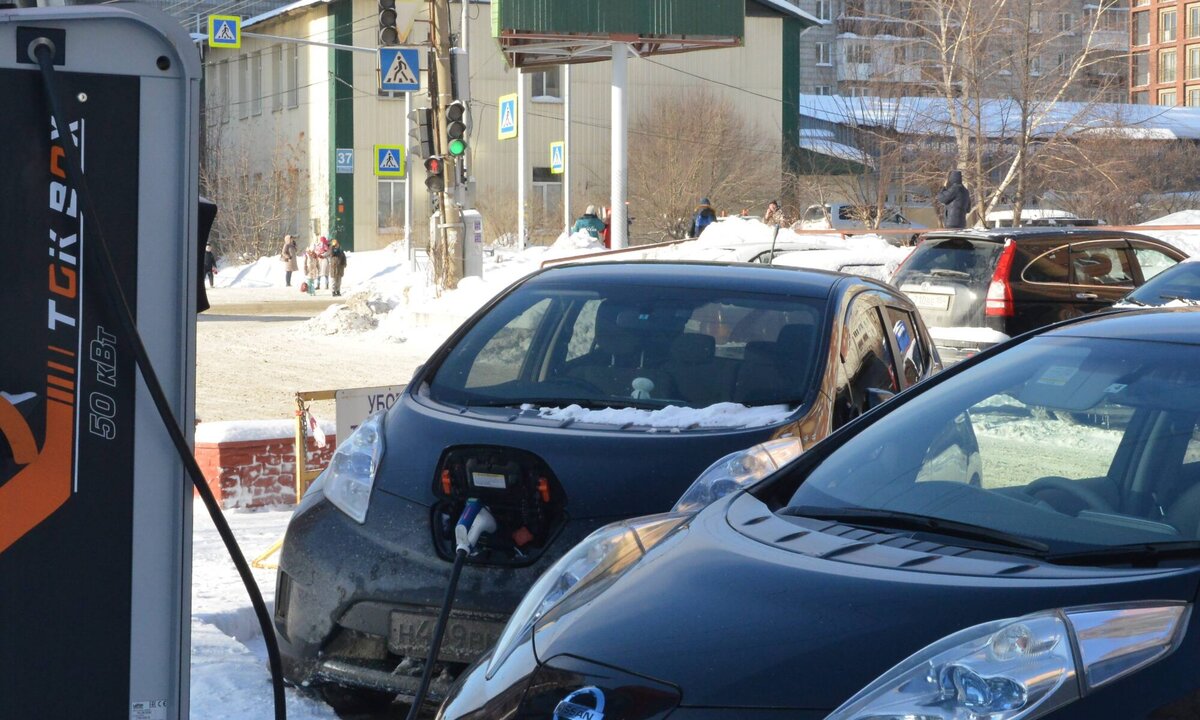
(859, 91)
(1141, 68)
(1193, 96)
(547, 189)
(243, 87)
(823, 12)
(391, 204)
(1141, 28)
(1062, 61)
(858, 53)
(1166, 66)
(823, 57)
(1066, 22)
(1193, 21)
(1140, 98)
(547, 85)
(824, 89)
(256, 94)
(277, 78)
(1035, 65)
(1193, 62)
(1167, 26)
(1035, 21)
(1166, 98)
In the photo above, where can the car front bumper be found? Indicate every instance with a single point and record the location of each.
(350, 597)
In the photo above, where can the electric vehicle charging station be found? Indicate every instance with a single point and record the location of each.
(95, 504)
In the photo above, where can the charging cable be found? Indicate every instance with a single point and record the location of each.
(472, 524)
(41, 51)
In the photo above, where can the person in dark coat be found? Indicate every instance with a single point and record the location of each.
(704, 217)
(337, 265)
(955, 201)
(210, 265)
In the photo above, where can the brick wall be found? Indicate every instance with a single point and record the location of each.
(257, 473)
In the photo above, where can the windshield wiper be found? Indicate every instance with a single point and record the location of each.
(1134, 301)
(1139, 554)
(896, 520)
(586, 403)
(943, 272)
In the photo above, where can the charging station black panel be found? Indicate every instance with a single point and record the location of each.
(66, 501)
(95, 507)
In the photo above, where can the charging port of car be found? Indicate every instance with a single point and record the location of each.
(516, 486)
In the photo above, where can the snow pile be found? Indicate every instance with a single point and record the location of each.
(720, 415)
(967, 334)
(215, 433)
(1186, 240)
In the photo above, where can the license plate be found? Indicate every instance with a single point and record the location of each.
(465, 639)
(930, 302)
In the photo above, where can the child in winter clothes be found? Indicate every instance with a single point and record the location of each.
(312, 269)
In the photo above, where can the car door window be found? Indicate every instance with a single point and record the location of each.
(503, 357)
(1101, 265)
(1152, 261)
(1051, 267)
(867, 366)
(914, 356)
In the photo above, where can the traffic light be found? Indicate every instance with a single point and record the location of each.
(388, 35)
(420, 132)
(435, 178)
(456, 129)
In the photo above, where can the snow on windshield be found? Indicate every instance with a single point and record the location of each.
(672, 417)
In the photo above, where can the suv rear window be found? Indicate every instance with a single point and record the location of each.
(961, 261)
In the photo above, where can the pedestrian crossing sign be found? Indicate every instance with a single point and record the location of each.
(399, 69)
(224, 31)
(558, 157)
(389, 161)
(508, 117)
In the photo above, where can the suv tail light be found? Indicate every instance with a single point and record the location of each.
(999, 295)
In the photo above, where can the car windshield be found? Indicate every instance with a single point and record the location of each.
(1180, 283)
(621, 344)
(955, 260)
(1075, 443)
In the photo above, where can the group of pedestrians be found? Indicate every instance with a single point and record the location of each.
(323, 260)
(705, 215)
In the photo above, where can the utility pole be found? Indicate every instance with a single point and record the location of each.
(448, 258)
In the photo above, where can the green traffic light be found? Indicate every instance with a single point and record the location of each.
(457, 148)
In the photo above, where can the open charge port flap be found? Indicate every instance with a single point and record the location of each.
(518, 488)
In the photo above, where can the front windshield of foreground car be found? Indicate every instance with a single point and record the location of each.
(1076, 443)
(624, 344)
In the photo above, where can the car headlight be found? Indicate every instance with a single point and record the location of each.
(604, 554)
(350, 477)
(1021, 668)
(738, 470)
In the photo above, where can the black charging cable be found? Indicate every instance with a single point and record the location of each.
(41, 51)
(474, 522)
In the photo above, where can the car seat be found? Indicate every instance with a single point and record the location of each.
(693, 368)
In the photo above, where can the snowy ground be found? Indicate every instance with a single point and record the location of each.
(258, 346)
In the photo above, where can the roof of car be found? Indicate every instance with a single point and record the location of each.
(1169, 325)
(751, 277)
(1039, 233)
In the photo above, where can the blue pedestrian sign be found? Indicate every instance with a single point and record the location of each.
(389, 160)
(345, 161)
(558, 157)
(224, 31)
(399, 69)
(508, 117)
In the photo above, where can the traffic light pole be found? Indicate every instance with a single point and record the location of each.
(449, 232)
(618, 224)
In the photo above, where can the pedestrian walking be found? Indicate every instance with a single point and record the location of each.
(773, 216)
(312, 269)
(322, 251)
(337, 265)
(955, 201)
(590, 223)
(210, 265)
(705, 216)
(288, 255)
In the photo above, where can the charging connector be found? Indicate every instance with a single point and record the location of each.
(474, 522)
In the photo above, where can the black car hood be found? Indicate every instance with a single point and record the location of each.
(605, 472)
(735, 622)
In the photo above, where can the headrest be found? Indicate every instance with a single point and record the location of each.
(693, 348)
(795, 338)
(760, 351)
(1095, 265)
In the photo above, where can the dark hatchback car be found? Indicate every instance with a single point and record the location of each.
(979, 287)
(582, 395)
(873, 579)
(1179, 285)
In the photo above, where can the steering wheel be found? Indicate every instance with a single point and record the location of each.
(1091, 499)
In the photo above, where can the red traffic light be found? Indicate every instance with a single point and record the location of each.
(433, 165)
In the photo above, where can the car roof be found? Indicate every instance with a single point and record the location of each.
(745, 277)
(1168, 325)
(1040, 233)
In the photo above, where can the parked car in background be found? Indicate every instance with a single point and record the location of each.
(834, 216)
(1003, 218)
(1179, 285)
(873, 579)
(979, 287)
(583, 394)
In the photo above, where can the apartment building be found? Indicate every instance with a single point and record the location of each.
(1164, 67)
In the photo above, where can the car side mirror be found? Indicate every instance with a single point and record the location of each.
(877, 397)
